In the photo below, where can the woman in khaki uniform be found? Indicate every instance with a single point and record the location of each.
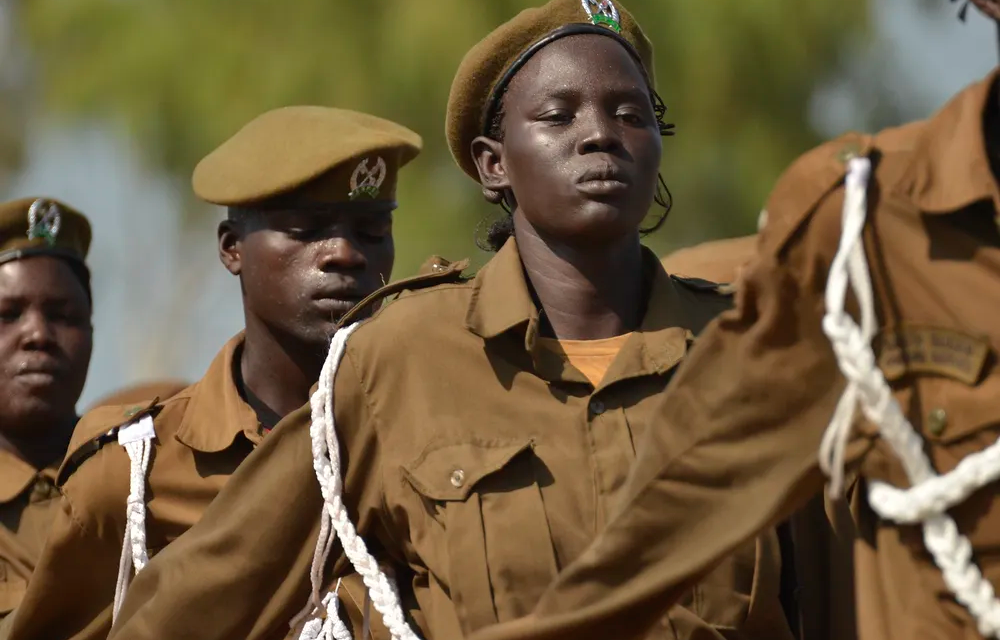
(768, 396)
(485, 425)
(46, 339)
(310, 193)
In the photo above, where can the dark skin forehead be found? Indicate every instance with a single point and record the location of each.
(42, 279)
(616, 74)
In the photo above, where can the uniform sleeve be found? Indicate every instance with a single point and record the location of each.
(242, 572)
(72, 589)
(736, 451)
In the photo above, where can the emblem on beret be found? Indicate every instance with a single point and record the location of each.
(44, 220)
(365, 181)
(603, 13)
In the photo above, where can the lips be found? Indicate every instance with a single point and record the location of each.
(38, 372)
(603, 173)
(603, 180)
(337, 301)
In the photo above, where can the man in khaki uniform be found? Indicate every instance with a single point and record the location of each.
(45, 344)
(905, 388)
(485, 425)
(715, 260)
(310, 193)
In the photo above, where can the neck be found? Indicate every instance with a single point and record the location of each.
(278, 370)
(584, 294)
(41, 452)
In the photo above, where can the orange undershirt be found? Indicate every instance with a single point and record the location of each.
(591, 357)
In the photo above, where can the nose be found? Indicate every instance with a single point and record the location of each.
(340, 253)
(36, 332)
(599, 133)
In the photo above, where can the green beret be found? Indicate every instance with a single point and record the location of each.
(42, 226)
(307, 154)
(489, 66)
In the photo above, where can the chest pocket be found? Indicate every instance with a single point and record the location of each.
(486, 496)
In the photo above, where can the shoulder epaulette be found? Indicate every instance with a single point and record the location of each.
(436, 270)
(805, 183)
(99, 427)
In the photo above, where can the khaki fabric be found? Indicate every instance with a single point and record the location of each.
(203, 433)
(476, 465)
(758, 392)
(29, 501)
(715, 261)
(142, 392)
(302, 155)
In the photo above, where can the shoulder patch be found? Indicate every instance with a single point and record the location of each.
(805, 183)
(435, 270)
(96, 429)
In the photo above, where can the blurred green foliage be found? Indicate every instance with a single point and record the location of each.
(183, 75)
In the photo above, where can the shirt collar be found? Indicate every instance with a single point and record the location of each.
(950, 168)
(501, 302)
(17, 476)
(216, 413)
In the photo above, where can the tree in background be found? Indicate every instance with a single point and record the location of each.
(182, 75)
(14, 96)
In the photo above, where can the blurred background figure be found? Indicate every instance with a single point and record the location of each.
(45, 344)
(110, 103)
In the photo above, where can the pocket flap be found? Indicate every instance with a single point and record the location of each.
(449, 471)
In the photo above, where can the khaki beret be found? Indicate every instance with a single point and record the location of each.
(489, 66)
(42, 226)
(308, 155)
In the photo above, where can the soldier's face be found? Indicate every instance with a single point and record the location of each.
(46, 339)
(581, 147)
(303, 269)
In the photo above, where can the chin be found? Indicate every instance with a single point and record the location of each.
(598, 226)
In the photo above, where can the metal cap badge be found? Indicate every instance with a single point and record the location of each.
(603, 13)
(365, 181)
(44, 220)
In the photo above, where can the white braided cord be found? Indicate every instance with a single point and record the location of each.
(137, 439)
(930, 495)
(335, 521)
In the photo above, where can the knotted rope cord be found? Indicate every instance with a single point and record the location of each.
(335, 521)
(930, 495)
(137, 439)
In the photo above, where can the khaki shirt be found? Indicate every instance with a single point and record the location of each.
(203, 433)
(475, 465)
(759, 391)
(29, 501)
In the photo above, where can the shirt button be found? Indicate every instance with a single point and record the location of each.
(596, 407)
(937, 420)
(457, 478)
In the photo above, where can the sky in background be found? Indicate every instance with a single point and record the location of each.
(145, 328)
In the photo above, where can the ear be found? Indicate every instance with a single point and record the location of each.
(230, 249)
(487, 153)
